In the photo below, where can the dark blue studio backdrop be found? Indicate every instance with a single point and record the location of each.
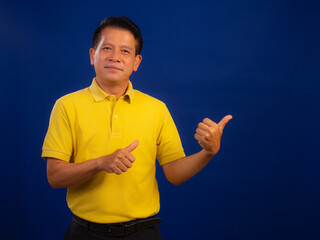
(257, 60)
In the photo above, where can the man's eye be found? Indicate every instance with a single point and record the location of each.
(125, 51)
(106, 48)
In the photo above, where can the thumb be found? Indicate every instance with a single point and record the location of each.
(132, 146)
(224, 121)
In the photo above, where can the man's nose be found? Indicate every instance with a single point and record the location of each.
(115, 56)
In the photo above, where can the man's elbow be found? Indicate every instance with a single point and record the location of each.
(174, 180)
(53, 172)
(172, 174)
(176, 183)
(52, 183)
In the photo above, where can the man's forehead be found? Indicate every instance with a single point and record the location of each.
(113, 29)
(108, 31)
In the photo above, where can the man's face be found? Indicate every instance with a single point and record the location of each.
(114, 58)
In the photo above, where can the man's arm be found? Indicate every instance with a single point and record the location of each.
(62, 174)
(208, 135)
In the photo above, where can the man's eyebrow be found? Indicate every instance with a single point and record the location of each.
(122, 46)
(126, 46)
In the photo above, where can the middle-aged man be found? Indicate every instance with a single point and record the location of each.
(102, 143)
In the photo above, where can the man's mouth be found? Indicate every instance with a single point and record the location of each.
(114, 68)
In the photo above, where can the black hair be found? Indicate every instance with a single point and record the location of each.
(122, 23)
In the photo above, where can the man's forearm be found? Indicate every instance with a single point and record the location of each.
(208, 135)
(185, 168)
(64, 175)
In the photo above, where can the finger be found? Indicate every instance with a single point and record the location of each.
(197, 136)
(201, 132)
(129, 157)
(200, 140)
(127, 163)
(203, 126)
(224, 121)
(132, 146)
(209, 122)
(121, 166)
(117, 170)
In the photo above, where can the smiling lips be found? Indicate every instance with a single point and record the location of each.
(113, 68)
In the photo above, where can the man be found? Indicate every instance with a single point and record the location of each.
(102, 143)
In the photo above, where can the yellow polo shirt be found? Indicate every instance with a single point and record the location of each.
(90, 123)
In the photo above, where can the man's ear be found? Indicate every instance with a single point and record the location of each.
(92, 52)
(137, 62)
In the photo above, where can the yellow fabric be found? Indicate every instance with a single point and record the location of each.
(90, 123)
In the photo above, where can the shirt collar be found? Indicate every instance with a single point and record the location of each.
(99, 95)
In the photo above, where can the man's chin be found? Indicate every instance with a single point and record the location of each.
(114, 80)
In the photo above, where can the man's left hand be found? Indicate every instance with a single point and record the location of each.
(209, 134)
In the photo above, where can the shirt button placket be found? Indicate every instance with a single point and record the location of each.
(116, 120)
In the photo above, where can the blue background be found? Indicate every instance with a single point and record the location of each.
(257, 60)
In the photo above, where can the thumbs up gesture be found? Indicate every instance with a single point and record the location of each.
(119, 161)
(209, 134)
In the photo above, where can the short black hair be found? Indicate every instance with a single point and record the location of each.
(122, 23)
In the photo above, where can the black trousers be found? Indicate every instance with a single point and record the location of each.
(78, 232)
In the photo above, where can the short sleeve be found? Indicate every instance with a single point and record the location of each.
(58, 140)
(169, 147)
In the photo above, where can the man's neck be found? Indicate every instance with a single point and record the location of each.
(114, 88)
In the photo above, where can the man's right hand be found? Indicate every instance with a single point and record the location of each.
(119, 161)
(63, 174)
